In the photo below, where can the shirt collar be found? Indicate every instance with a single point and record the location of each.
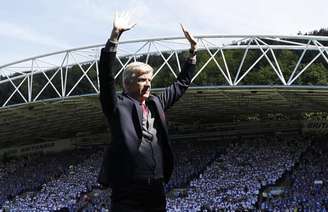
(134, 100)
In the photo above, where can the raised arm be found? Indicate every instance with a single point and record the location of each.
(121, 23)
(191, 40)
(172, 93)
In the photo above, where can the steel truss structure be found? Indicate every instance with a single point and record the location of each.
(20, 76)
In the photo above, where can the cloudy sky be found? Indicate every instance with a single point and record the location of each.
(33, 27)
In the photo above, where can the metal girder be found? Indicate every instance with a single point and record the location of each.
(82, 63)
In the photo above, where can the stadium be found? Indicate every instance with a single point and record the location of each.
(249, 134)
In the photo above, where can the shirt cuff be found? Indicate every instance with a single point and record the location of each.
(111, 46)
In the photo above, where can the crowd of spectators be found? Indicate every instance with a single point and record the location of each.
(308, 190)
(67, 180)
(207, 178)
(190, 159)
(31, 172)
(234, 180)
(49, 183)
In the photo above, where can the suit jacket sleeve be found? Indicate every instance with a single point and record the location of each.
(172, 93)
(107, 83)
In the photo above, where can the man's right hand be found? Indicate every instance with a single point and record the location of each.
(121, 23)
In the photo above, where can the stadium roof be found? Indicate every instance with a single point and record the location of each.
(56, 119)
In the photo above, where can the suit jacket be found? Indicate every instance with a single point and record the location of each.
(125, 120)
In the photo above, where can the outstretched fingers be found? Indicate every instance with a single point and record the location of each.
(189, 37)
(122, 22)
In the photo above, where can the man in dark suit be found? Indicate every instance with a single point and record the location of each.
(139, 159)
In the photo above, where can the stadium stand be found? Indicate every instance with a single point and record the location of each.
(209, 176)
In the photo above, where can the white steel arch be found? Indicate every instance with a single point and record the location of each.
(19, 77)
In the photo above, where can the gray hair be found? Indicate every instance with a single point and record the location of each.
(133, 70)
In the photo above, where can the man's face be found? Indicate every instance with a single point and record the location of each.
(139, 88)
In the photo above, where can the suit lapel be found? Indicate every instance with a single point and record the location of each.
(157, 106)
(139, 115)
(136, 113)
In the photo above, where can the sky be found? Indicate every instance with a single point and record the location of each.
(34, 27)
